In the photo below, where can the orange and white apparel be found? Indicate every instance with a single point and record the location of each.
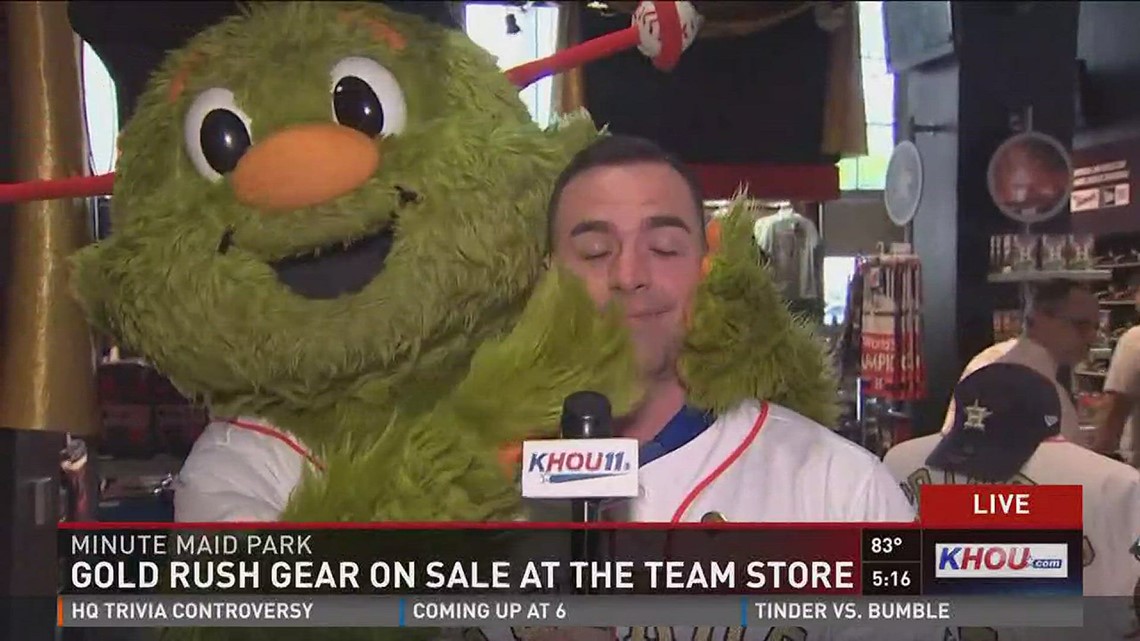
(757, 463)
(240, 470)
(764, 463)
(245, 470)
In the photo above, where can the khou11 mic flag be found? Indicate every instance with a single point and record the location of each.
(597, 468)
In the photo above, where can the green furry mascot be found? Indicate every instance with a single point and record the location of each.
(331, 216)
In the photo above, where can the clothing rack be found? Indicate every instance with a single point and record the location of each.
(755, 207)
(881, 345)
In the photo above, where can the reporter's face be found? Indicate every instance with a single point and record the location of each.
(634, 235)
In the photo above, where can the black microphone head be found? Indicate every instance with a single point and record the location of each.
(586, 415)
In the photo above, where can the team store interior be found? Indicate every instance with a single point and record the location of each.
(851, 265)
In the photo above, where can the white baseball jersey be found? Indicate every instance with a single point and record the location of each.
(760, 462)
(1111, 500)
(1124, 378)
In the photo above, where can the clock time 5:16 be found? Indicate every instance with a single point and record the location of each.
(891, 579)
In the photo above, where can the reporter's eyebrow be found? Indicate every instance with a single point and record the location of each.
(667, 220)
(653, 222)
(588, 226)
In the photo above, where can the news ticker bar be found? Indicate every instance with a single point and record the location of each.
(616, 611)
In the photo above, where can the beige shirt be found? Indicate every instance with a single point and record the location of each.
(1024, 351)
(1124, 378)
(985, 357)
(1032, 355)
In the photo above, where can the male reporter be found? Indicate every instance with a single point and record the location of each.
(628, 219)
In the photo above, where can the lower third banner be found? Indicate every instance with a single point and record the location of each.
(609, 610)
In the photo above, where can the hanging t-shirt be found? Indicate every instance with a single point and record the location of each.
(790, 241)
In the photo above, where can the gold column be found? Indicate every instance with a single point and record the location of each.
(47, 368)
(569, 94)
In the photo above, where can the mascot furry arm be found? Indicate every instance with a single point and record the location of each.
(331, 216)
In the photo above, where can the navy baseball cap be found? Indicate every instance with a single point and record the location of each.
(1002, 412)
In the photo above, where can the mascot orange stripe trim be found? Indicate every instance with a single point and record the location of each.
(380, 30)
(178, 81)
(272, 432)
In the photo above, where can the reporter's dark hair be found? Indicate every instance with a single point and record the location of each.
(617, 151)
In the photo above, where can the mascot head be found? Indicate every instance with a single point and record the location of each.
(325, 202)
(312, 193)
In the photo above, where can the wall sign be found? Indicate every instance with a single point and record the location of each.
(1102, 201)
(903, 190)
(1101, 186)
(1030, 177)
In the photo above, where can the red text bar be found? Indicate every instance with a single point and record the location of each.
(1056, 507)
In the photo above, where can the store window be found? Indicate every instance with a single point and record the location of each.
(837, 274)
(101, 109)
(536, 37)
(869, 172)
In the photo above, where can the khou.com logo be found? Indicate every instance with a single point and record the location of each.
(1001, 560)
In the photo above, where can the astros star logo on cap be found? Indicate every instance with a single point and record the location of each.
(976, 416)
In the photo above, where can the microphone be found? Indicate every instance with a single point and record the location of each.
(586, 466)
(586, 415)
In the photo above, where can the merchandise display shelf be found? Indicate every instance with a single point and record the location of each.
(1090, 275)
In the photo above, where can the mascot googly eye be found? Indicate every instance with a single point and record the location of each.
(217, 133)
(367, 97)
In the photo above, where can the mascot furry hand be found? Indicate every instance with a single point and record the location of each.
(331, 216)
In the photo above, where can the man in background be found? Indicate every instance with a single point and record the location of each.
(1006, 430)
(1117, 434)
(1060, 328)
(987, 356)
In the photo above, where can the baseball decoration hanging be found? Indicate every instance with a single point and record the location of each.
(660, 30)
(665, 30)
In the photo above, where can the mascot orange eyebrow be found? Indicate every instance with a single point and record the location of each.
(329, 227)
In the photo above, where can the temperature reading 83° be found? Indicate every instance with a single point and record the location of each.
(885, 544)
(891, 545)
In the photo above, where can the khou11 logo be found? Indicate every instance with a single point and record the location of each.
(1001, 560)
(580, 468)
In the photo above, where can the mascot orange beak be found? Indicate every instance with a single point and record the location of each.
(660, 30)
